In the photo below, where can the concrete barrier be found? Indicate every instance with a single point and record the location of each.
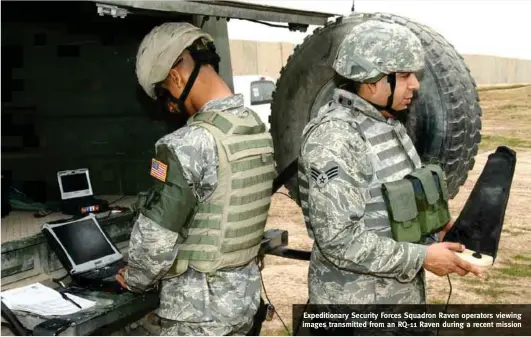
(267, 58)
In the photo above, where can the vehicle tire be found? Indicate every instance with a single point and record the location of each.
(444, 122)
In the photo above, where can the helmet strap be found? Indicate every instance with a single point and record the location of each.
(391, 79)
(187, 88)
(200, 56)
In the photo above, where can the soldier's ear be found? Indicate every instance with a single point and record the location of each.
(372, 87)
(176, 78)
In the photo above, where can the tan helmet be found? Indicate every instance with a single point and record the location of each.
(160, 48)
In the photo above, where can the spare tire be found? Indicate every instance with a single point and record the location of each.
(443, 122)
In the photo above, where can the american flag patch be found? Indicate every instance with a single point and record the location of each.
(158, 169)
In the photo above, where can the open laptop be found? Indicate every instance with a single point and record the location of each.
(84, 250)
(76, 193)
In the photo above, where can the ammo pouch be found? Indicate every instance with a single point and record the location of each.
(418, 204)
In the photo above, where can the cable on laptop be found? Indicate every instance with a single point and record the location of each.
(447, 302)
(260, 267)
(120, 198)
(60, 280)
(45, 212)
(267, 298)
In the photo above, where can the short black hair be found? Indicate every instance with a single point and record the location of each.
(346, 84)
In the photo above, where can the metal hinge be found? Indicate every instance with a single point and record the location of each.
(114, 11)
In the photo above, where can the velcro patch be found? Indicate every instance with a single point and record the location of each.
(159, 170)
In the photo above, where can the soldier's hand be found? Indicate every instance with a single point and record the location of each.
(441, 260)
(120, 277)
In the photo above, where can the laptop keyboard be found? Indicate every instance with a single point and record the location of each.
(104, 272)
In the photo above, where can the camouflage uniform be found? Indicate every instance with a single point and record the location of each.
(199, 231)
(348, 150)
(194, 303)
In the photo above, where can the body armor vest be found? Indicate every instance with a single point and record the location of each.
(408, 208)
(227, 228)
(393, 159)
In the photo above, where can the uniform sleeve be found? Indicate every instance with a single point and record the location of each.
(339, 173)
(152, 250)
(154, 243)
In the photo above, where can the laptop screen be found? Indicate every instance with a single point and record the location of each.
(83, 241)
(74, 182)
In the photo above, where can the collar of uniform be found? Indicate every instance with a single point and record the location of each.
(350, 101)
(225, 103)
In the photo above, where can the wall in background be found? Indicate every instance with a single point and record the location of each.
(267, 58)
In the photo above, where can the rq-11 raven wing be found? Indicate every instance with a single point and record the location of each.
(480, 223)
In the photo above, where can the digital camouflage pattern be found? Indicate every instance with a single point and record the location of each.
(152, 250)
(374, 48)
(194, 302)
(347, 152)
(219, 304)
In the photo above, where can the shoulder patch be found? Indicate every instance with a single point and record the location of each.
(322, 178)
(159, 170)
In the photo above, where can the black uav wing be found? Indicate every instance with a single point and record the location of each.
(480, 223)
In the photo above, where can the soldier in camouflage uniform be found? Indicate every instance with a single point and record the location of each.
(198, 234)
(353, 146)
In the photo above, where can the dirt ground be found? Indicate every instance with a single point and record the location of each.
(505, 121)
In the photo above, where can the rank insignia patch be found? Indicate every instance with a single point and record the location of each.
(322, 178)
(159, 170)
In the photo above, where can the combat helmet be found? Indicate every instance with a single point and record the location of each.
(374, 49)
(159, 50)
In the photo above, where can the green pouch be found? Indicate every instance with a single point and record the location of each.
(428, 200)
(443, 211)
(402, 208)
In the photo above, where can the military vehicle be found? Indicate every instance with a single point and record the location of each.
(70, 99)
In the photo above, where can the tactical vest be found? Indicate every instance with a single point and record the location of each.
(402, 211)
(227, 228)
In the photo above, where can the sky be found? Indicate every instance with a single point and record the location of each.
(487, 27)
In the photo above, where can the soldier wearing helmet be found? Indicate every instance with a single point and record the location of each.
(375, 54)
(198, 232)
(368, 202)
